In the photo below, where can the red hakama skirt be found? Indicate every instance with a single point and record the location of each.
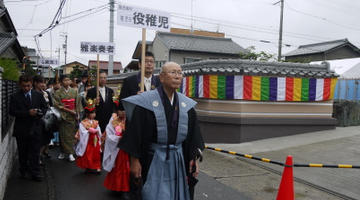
(92, 156)
(119, 177)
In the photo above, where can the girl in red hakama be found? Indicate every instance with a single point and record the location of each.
(88, 149)
(115, 160)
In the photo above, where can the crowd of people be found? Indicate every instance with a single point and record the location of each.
(146, 141)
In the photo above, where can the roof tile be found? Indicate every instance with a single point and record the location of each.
(237, 66)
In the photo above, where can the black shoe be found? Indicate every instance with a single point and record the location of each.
(37, 178)
(41, 161)
(23, 175)
(47, 155)
(126, 196)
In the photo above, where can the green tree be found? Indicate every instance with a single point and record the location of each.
(299, 60)
(29, 67)
(76, 72)
(11, 69)
(253, 55)
(92, 74)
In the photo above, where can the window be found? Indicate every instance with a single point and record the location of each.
(159, 64)
(190, 60)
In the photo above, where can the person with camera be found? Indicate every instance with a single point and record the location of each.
(28, 106)
(40, 86)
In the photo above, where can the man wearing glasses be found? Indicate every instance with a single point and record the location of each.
(131, 85)
(163, 139)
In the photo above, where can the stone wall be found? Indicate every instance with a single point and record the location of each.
(7, 155)
(7, 150)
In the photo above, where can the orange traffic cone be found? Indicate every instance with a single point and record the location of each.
(286, 188)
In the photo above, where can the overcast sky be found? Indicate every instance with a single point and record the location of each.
(245, 21)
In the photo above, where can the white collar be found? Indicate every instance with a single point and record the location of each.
(172, 99)
(148, 78)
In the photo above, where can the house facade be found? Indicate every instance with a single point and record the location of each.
(68, 68)
(9, 44)
(183, 46)
(330, 50)
(9, 48)
(104, 66)
(187, 48)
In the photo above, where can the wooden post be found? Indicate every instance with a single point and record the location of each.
(57, 76)
(143, 47)
(97, 76)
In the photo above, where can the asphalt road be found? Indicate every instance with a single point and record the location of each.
(260, 180)
(70, 182)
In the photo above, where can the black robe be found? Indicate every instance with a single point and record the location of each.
(105, 109)
(141, 132)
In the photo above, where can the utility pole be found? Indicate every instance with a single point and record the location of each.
(111, 37)
(58, 51)
(65, 48)
(192, 27)
(281, 28)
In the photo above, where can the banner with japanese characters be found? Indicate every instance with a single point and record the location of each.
(107, 48)
(143, 18)
(48, 62)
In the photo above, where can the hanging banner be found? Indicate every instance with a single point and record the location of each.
(48, 61)
(143, 18)
(258, 88)
(106, 48)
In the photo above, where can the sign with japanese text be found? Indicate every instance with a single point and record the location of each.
(48, 61)
(143, 18)
(107, 48)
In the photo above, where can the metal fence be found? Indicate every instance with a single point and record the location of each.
(347, 89)
(7, 89)
(347, 102)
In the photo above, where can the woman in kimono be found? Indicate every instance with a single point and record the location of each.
(115, 160)
(68, 102)
(88, 149)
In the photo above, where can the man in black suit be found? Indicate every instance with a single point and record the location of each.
(28, 106)
(105, 105)
(131, 85)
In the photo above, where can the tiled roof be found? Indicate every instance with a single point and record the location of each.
(247, 67)
(197, 43)
(6, 19)
(6, 40)
(319, 47)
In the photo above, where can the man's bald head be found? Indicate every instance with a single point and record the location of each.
(168, 65)
(171, 75)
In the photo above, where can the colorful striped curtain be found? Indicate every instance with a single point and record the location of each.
(258, 88)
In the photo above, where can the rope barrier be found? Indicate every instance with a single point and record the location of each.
(317, 165)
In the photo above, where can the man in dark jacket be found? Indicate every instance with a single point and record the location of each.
(105, 105)
(28, 106)
(131, 85)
